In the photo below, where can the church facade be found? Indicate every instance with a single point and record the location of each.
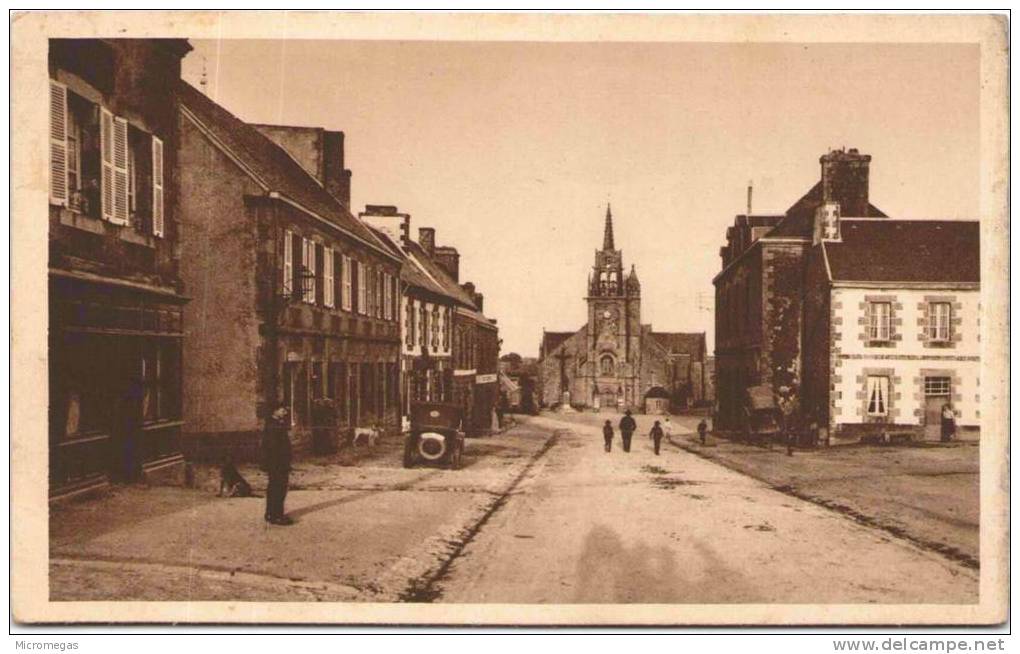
(614, 362)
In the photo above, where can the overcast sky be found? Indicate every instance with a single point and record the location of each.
(511, 150)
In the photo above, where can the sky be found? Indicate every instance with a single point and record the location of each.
(511, 150)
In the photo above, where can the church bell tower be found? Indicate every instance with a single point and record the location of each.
(614, 324)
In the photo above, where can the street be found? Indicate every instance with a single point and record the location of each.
(538, 514)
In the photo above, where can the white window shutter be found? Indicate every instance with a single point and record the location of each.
(106, 148)
(120, 172)
(58, 143)
(327, 274)
(288, 264)
(157, 187)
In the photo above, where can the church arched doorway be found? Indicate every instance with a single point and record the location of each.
(605, 399)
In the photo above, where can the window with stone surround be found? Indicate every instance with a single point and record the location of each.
(940, 321)
(879, 321)
(878, 395)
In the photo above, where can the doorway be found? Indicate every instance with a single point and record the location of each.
(937, 391)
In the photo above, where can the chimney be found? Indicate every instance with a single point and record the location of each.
(845, 181)
(449, 259)
(827, 226)
(750, 191)
(387, 218)
(427, 240)
(469, 288)
(335, 178)
(479, 302)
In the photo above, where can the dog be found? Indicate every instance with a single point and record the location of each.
(232, 484)
(370, 435)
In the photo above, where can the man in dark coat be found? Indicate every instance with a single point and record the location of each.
(607, 434)
(276, 462)
(656, 435)
(627, 429)
(948, 423)
(702, 430)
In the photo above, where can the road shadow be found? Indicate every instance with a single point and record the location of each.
(609, 571)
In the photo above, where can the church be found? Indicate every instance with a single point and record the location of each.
(614, 362)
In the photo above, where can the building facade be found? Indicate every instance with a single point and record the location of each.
(295, 301)
(614, 360)
(890, 340)
(427, 305)
(116, 294)
(759, 291)
(859, 323)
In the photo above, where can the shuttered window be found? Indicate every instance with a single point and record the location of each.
(106, 155)
(308, 271)
(327, 278)
(288, 264)
(120, 171)
(362, 284)
(58, 143)
(346, 286)
(157, 187)
(409, 325)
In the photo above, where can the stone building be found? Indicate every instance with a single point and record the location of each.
(890, 339)
(860, 323)
(428, 301)
(449, 349)
(116, 293)
(758, 292)
(614, 360)
(293, 299)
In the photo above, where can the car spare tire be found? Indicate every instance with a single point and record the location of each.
(431, 446)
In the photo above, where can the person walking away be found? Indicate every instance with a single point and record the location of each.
(948, 423)
(607, 434)
(667, 429)
(656, 435)
(276, 462)
(702, 430)
(627, 429)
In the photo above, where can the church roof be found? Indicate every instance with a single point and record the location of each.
(552, 340)
(682, 343)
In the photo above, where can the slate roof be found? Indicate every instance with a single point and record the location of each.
(552, 340)
(906, 251)
(800, 217)
(272, 164)
(682, 343)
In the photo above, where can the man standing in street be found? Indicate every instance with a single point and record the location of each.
(948, 423)
(702, 430)
(276, 462)
(656, 435)
(627, 428)
(607, 434)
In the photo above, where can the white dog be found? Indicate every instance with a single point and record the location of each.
(369, 434)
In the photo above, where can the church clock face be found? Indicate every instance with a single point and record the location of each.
(608, 317)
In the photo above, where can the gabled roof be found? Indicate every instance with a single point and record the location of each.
(682, 343)
(271, 165)
(438, 274)
(800, 218)
(906, 251)
(552, 340)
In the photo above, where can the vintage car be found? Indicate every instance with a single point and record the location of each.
(763, 419)
(435, 436)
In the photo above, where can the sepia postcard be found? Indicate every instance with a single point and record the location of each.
(523, 319)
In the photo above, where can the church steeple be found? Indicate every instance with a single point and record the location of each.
(607, 240)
